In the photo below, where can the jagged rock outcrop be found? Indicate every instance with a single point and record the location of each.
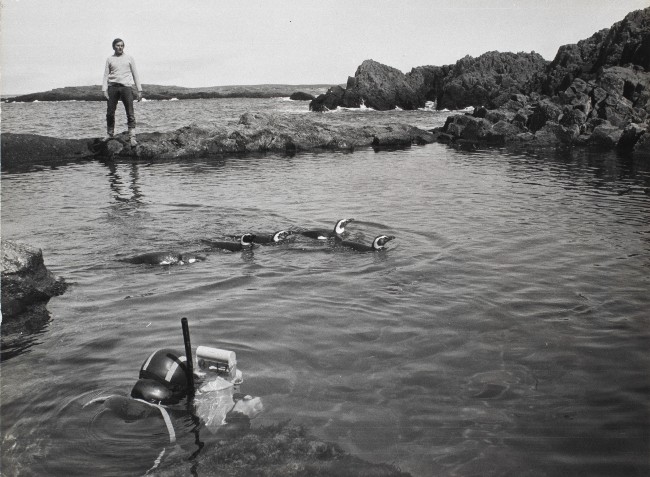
(573, 61)
(599, 96)
(587, 114)
(626, 43)
(376, 86)
(491, 79)
(487, 80)
(25, 280)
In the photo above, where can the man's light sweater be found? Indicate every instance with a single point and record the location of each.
(121, 69)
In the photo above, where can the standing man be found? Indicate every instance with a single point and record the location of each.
(119, 76)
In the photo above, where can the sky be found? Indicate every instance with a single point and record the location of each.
(46, 44)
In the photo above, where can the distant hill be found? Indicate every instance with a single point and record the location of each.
(153, 91)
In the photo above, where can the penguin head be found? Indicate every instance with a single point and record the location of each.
(379, 242)
(247, 240)
(281, 235)
(339, 228)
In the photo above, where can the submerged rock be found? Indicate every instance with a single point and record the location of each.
(28, 149)
(279, 450)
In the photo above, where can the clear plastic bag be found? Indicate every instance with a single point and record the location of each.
(213, 401)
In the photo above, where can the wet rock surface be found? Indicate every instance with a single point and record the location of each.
(26, 282)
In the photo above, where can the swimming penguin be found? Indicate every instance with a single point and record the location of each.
(245, 243)
(277, 237)
(164, 258)
(339, 229)
(377, 244)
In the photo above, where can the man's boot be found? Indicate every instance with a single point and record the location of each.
(109, 134)
(132, 140)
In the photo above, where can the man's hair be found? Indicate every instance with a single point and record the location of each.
(117, 40)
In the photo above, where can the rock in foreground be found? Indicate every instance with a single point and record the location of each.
(25, 280)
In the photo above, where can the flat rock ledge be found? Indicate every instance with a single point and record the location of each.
(26, 282)
(254, 133)
(259, 133)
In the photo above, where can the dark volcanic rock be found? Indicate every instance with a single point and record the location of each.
(601, 98)
(376, 86)
(300, 96)
(25, 280)
(487, 80)
(573, 61)
(626, 43)
(24, 149)
(583, 114)
(383, 88)
(491, 79)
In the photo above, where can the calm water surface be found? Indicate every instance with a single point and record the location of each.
(504, 332)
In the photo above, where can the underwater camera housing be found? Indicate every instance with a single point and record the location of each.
(219, 361)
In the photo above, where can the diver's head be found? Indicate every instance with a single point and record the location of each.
(163, 378)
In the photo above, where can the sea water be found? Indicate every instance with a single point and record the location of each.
(504, 331)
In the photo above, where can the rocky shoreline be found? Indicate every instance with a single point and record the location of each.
(585, 114)
(594, 93)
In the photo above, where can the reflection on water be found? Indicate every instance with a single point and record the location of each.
(132, 195)
(21, 333)
(506, 327)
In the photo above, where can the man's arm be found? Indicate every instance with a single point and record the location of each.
(105, 81)
(136, 79)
